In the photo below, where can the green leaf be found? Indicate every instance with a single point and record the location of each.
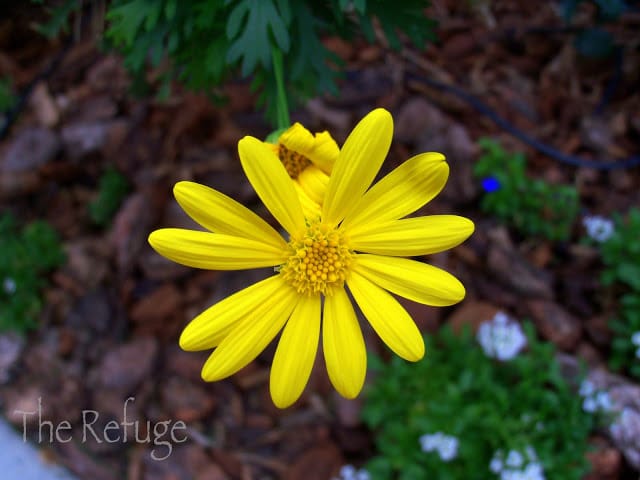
(409, 13)
(629, 274)
(367, 28)
(59, 19)
(7, 96)
(112, 189)
(153, 15)
(170, 9)
(285, 11)
(235, 20)
(126, 21)
(252, 43)
(360, 5)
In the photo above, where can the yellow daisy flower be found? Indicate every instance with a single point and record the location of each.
(308, 160)
(357, 243)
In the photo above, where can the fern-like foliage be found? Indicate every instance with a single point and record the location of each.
(207, 41)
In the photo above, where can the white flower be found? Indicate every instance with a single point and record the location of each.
(635, 339)
(501, 318)
(586, 388)
(510, 475)
(604, 401)
(448, 449)
(362, 475)
(531, 453)
(9, 285)
(515, 467)
(626, 427)
(349, 472)
(501, 337)
(429, 442)
(533, 472)
(514, 459)
(445, 445)
(496, 465)
(594, 400)
(598, 228)
(589, 405)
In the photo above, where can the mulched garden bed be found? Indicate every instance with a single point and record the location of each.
(114, 310)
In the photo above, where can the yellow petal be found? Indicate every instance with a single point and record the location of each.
(296, 352)
(314, 182)
(219, 213)
(325, 152)
(411, 237)
(344, 350)
(401, 192)
(209, 328)
(310, 208)
(322, 150)
(358, 163)
(214, 251)
(250, 336)
(414, 280)
(271, 182)
(388, 318)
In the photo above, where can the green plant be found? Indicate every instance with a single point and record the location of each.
(532, 206)
(7, 96)
(202, 42)
(59, 16)
(25, 256)
(523, 405)
(621, 252)
(621, 273)
(112, 189)
(625, 352)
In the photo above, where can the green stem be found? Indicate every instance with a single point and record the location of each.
(282, 107)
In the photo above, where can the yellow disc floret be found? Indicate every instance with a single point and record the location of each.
(293, 162)
(319, 262)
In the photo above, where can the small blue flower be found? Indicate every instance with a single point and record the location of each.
(490, 184)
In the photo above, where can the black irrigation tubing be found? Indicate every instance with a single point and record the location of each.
(487, 111)
(474, 102)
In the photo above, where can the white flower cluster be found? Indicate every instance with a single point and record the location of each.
(349, 472)
(635, 339)
(626, 428)
(598, 228)
(445, 445)
(594, 400)
(501, 337)
(517, 466)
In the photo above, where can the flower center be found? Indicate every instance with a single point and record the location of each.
(293, 162)
(319, 262)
